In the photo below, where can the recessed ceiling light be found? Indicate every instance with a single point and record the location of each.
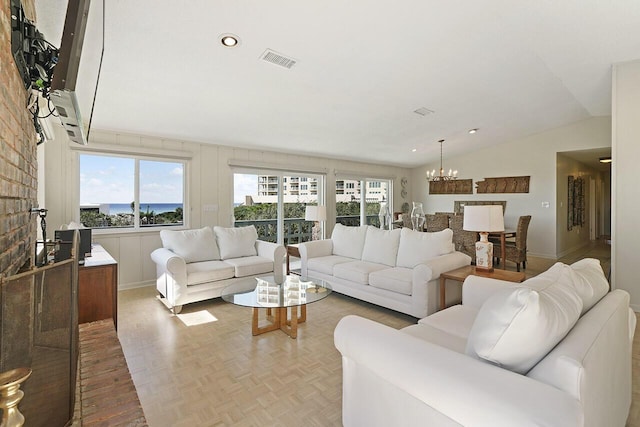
(423, 111)
(229, 40)
(414, 150)
(472, 131)
(605, 159)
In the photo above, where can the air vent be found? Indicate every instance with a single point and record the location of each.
(423, 111)
(278, 59)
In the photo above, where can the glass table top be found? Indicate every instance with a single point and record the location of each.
(264, 292)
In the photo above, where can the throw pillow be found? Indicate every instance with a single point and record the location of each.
(236, 242)
(192, 245)
(590, 282)
(348, 241)
(417, 247)
(519, 325)
(381, 246)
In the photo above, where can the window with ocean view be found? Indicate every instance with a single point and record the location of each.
(130, 192)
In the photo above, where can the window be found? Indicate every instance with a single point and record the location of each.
(279, 214)
(354, 207)
(130, 192)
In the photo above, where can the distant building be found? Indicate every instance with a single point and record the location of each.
(301, 189)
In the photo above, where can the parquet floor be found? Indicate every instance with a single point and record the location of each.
(204, 368)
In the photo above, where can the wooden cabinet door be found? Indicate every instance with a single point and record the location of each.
(97, 293)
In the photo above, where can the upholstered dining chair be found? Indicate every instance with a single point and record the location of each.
(516, 251)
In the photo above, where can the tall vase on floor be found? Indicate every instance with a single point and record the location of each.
(417, 216)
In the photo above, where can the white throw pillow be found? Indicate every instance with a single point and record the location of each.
(381, 246)
(518, 326)
(417, 247)
(192, 245)
(348, 241)
(590, 282)
(236, 242)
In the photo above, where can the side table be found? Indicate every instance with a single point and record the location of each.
(292, 250)
(462, 273)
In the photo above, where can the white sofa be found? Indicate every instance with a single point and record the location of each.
(533, 354)
(397, 269)
(195, 265)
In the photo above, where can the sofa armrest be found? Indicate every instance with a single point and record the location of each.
(171, 278)
(313, 249)
(446, 262)
(476, 290)
(275, 252)
(433, 379)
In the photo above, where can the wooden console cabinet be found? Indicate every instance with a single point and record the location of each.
(98, 287)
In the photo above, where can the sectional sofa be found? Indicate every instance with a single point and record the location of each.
(552, 351)
(195, 265)
(397, 269)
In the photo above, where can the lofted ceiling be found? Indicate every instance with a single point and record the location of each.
(509, 68)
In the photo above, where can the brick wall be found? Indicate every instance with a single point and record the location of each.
(18, 164)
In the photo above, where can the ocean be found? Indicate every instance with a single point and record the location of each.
(117, 208)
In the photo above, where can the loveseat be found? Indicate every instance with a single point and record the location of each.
(397, 269)
(195, 265)
(552, 351)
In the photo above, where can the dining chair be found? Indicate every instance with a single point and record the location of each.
(516, 251)
(464, 241)
(436, 222)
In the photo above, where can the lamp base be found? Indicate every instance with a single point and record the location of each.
(484, 254)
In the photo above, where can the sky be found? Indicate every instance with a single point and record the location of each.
(244, 185)
(111, 180)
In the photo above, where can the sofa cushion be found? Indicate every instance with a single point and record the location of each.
(325, 264)
(395, 279)
(250, 265)
(590, 282)
(356, 271)
(381, 246)
(192, 245)
(235, 242)
(208, 271)
(417, 247)
(456, 320)
(436, 336)
(519, 325)
(348, 241)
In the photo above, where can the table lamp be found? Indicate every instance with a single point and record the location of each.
(315, 214)
(483, 219)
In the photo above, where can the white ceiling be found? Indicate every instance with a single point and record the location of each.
(509, 68)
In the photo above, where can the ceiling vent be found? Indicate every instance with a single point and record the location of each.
(423, 111)
(278, 59)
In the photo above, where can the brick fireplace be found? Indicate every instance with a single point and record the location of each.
(18, 161)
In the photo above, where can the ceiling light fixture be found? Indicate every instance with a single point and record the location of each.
(229, 40)
(472, 131)
(431, 176)
(605, 159)
(413, 150)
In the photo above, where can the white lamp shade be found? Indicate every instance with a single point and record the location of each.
(315, 213)
(484, 218)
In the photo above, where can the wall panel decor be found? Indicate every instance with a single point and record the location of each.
(506, 184)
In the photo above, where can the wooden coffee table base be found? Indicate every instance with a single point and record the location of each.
(278, 318)
(462, 273)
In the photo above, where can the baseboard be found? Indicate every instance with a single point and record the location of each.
(135, 285)
(573, 249)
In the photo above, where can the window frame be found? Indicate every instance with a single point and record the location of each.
(143, 155)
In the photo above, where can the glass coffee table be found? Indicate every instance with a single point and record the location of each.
(277, 298)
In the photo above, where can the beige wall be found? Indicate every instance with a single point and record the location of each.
(210, 182)
(534, 156)
(625, 232)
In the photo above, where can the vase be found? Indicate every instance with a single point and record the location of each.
(384, 216)
(417, 216)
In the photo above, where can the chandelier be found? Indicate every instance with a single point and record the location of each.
(431, 176)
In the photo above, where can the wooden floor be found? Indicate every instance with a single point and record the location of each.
(204, 368)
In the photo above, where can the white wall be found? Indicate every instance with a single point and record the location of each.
(625, 229)
(534, 156)
(210, 182)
